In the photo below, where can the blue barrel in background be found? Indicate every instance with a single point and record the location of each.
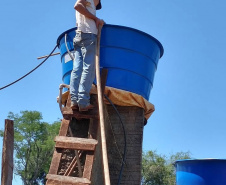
(131, 57)
(201, 172)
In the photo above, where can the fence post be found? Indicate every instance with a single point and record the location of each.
(7, 153)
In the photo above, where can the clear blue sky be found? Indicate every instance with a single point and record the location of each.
(189, 88)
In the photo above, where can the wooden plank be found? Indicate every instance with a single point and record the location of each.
(65, 180)
(101, 113)
(7, 153)
(57, 155)
(75, 143)
(68, 113)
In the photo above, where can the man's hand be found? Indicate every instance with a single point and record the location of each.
(99, 22)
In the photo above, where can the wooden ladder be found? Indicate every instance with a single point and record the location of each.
(63, 142)
(95, 116)
(66, 141)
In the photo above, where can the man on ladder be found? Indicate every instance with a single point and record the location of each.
(83, 73)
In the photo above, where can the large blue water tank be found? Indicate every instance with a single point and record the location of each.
(131, 57)
(201, 172)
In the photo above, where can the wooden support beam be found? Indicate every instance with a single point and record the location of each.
(73, 164)
(64, 127)
(101, 113)
(93, 129)
(65, 180)
(88, 165)
(57, 155)
(75, 143)
(7, 153)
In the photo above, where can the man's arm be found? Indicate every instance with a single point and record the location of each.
(80, 6)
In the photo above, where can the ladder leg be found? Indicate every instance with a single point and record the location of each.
(57, 155)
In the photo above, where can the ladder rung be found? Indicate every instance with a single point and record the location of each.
(66, 180)
(68, 113)
(75, 143)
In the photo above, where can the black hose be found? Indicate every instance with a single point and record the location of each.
(125, 146)
(30, 71)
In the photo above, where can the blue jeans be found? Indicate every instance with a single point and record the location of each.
(83, 73)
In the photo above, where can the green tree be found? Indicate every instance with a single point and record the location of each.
(33, 146)
(159, 169)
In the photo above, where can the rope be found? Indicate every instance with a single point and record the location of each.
(30, 71)
(65, 40)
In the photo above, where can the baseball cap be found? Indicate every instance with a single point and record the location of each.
(98, 7)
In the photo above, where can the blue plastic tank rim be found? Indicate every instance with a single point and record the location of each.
(110, 25)
(196, 160)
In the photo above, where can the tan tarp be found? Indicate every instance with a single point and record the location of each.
(122, 98)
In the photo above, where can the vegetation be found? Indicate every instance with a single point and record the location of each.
(33, 146)
(159, 169)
